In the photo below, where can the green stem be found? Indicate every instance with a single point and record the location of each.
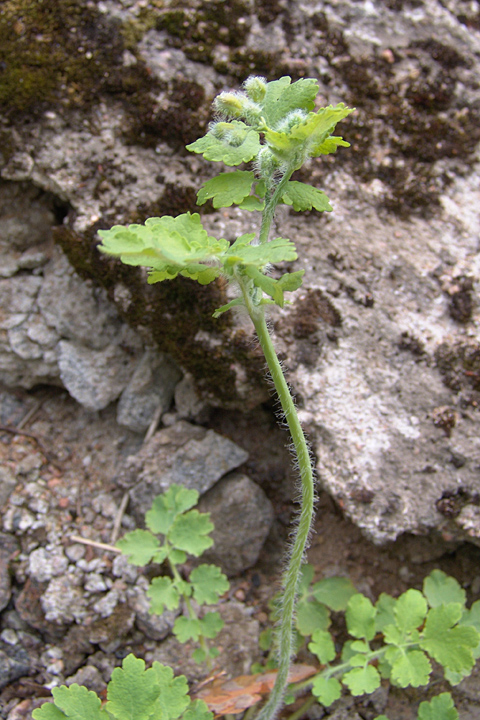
(292, 574)
(271, 205)
(303, 709)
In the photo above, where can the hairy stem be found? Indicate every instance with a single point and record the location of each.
(292, 573)
(271, 203)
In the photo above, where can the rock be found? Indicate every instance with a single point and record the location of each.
(153, 626)
(44, 564)
(14, 663)
(184, 454)
(89, 677)
(109, 633)
(149, 391)
(188, 401)
(8, 548)
(242, 515)
(63, 601)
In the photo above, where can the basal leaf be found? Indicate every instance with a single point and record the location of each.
(334, 592)
(440, 707)
(322, 646)
(448, 643)
(166, 507)
(132, 691)
(186, 628)
(140, 546)
(211, 624)
(173, 699)
(410, 610)
(209, 583)
(305, 197)
(385, 606)
(408, 667)
(310, 616)
(163, 594)
(48, 711)
(190, 532)
(326, 690)
(362, 680)
(77, 703)
(360, 617)
(197, 710)
(226, 189)
(440, 589)
(228, 142)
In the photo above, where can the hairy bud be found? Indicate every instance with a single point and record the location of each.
(255, 87)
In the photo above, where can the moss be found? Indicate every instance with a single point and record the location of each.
(459, 364)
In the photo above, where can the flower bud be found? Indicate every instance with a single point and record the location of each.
(229, 104)
(255, 87)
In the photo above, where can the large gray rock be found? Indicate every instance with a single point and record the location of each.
(182, 454)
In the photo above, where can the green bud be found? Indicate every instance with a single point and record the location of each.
(296, 117)
(255, 87)
(230, 104)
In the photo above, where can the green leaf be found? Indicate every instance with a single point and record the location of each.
(226, 189)
(449, 644)
(73, 702)
(305, 197)
(199, 655)
(140, 546)
(440, 707)
(281, 98)
(326, 690)
(319, 126)
(408, 667)
(307, 572)
(236, 302)
(440, 589)
(177, 557)
(265, 283)
(209, 583)
(275, 251)
(163, 594)
(334, 592)
(48, 711)
(173, 699)
(197, 710)
(186, 628)
(166, 508)
(310, 616)
(133, 691)
(228, 142)
(211, 624)
(385, 606)
(362, 680)
(360, 617)
(252, 203)
(322, 646)
(289, 282)
(410, 610)
(329, 145)
(190, 531)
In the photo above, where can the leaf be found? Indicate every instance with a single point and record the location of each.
(252, 203)
(360, 617)
(449, 644)
(163, 594)
(209, 583)
(275, 251)
(385, 606)
(307, 572)
(173, 699)
(140, 546)
(186, 628)
(362, 680)
(166, 508)
(281, 98)
(311, 615)
(190, 531)
(410, 610)
(265, 283)
(319, 126)
(440, 707)
(305, 197)
(211, 624)
(440, 589)
(197, 710)
(226, 189)
(322, 646)
(48, 711)
(409, 667)
(132, 691)
(228, 142)
(289, 282)
(236, 302)
(334, 592)
(326, 690)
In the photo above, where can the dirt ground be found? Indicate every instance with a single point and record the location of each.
(62, 460)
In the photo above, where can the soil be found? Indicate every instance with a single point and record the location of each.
(63, 459)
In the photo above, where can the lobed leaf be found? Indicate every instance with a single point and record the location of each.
(166, 508)
(440, 707)
(322, 646)
(173, 699)
(362, 680)
(209, 583)
(73, 702)
(211, 624)
(163, 594)
(305, 197)
(440, 589)
(133, 691)
(446, 642)
(187, 628)
(190, 532)
(410, 610)
(48, 711)
(197, 710)
(408, 667)
(360, 617)
(140, 546)
(226, 189)
(385, 606)
(326, 690)
(334, 592)
(282, 97)
(232, 143)
(311, 616)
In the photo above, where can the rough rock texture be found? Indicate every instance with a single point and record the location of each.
(383, 343)
(183, 454)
